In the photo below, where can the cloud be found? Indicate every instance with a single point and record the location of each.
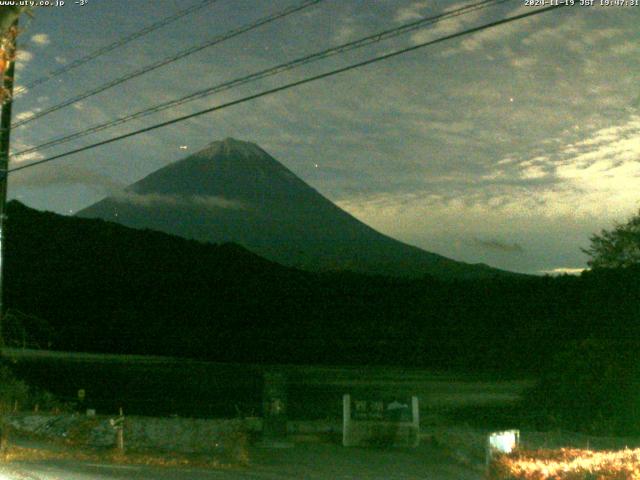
(562, 31)
(550, 220)
(215, 202)
(18, 146)
(605, 166)
(20, 90)
(208, 202)
(571, 34)
(62, 175)
(497, 245)
(22, 58)
(537, 167)
(412, 12)
(348, 29)
(479, 39)
(344, 34)
(524, 62)
(41, 39)
(25, 115)
(564, 271)
(446, 26)
(625, 48)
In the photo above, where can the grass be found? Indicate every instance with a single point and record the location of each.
(22, 454)
(65, 450)
(212, 390)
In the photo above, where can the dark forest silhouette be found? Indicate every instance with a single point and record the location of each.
(98, 286)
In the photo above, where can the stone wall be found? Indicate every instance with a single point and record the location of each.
(171, 434)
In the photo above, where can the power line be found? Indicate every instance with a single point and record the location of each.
(292, 85)
(368, 40)
(190, 51)
(118, 43)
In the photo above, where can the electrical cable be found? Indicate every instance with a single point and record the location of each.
(161, 63)
(118, 43)
(292, 85)
(359, 43)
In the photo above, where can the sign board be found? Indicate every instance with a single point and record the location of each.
(380, 422)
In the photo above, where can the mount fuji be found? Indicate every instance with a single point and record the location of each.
(234, 191)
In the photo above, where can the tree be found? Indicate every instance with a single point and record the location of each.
(589, 386)
(8, 15)
(8, 34)
(616, 248)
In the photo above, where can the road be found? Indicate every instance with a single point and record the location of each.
(309, 462)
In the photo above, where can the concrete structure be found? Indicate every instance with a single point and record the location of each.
(379, 423)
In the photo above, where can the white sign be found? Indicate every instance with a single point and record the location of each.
(376, 422)
(502, 443)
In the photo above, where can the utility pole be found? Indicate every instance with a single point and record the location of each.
(5, 136)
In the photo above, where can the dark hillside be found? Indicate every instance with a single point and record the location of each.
(103, 287)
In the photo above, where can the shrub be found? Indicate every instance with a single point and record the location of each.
(17, 393)
(566, 464)
(12, 390)
(235, 448)
(591, 386)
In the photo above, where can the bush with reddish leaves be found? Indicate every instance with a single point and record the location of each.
(567, 464)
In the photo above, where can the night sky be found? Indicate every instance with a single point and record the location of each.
(510, 147)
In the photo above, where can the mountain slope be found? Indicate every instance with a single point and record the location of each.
(234, 191)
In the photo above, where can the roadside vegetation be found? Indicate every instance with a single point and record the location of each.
(16, 394)
(43, 452)
(567, 464)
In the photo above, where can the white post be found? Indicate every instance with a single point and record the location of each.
(118, 425)
(415, 418)
(121, 432)
(346, 419)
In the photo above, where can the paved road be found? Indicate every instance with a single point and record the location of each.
(63, 470)
(309, 462)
